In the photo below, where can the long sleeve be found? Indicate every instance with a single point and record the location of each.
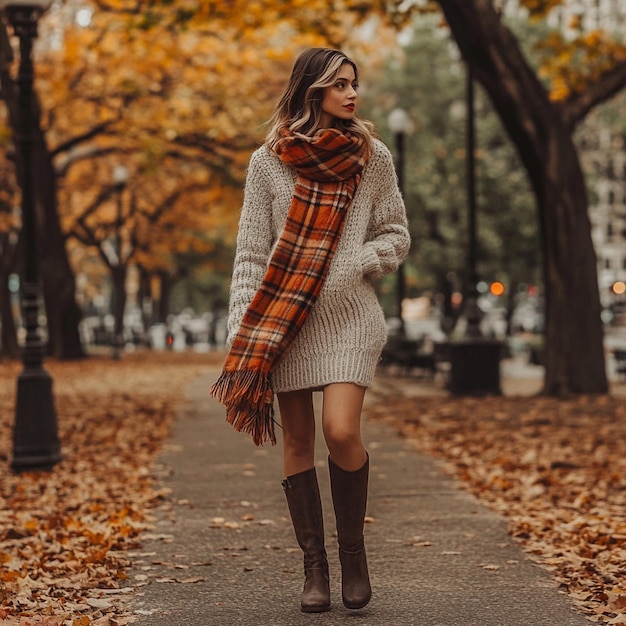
(388, 238)
(255, 239)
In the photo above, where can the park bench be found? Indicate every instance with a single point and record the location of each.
(411, 357)
(620, 362)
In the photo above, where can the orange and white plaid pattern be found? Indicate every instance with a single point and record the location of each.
(328, 167)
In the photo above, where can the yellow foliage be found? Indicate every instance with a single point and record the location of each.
(9, 218)
(576, 22)
(179, 92)
(570, 65)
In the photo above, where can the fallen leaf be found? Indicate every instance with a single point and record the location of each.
(193, 579)
(86, 519)
(555, 468)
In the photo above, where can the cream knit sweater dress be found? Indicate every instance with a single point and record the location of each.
(342, 339)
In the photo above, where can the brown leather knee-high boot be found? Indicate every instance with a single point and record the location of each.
(349, 490)
(305, 507)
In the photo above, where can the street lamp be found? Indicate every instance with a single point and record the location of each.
(35, 439)
(474, 360)
(120, 179)
(401, 125)
(472, 311)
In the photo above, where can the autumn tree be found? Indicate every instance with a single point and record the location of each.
(185, 114)
(58, 282)
(203, 76)
(185, 95)
(429, 83)
(143, 219)
(180, 119)
(540, 117)
(541, 122)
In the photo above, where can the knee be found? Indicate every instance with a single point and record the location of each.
(298, 445)
(339, 437)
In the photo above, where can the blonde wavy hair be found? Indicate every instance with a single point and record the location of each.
(300, 108)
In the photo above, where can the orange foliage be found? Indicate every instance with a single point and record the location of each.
(178, 92)
(179, 98)
(570, 65)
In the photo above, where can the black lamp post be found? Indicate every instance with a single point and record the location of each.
(474, 360)
(472, 311)
(401, 125)
(35, 439)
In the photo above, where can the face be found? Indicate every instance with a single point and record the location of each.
(339, 101)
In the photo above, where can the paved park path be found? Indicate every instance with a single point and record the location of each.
(222, 551)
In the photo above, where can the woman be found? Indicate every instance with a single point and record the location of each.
(322, 217)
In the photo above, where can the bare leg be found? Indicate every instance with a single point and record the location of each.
(341, 422)
(298, 422)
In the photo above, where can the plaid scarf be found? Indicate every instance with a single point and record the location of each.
(328, 167)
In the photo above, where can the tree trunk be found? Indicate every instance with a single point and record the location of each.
(161, 305)
(144, 299)
(8, 338)
(118, 276)
(59, 284)
(62, 312)
(574, 346)
(542, 133)
(9, 251)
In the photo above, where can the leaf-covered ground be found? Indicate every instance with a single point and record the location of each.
(64, 536)
(555, 469)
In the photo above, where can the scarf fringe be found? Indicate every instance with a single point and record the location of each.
(248, 398)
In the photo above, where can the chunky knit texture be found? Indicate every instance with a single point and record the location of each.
(342, 339)
(328, 167)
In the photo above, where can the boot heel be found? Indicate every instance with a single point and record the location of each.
(356, 590)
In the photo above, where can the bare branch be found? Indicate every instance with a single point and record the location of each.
(91, 152)
(606, 86)
(100, 199)
(86, 136)
(154, 216)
